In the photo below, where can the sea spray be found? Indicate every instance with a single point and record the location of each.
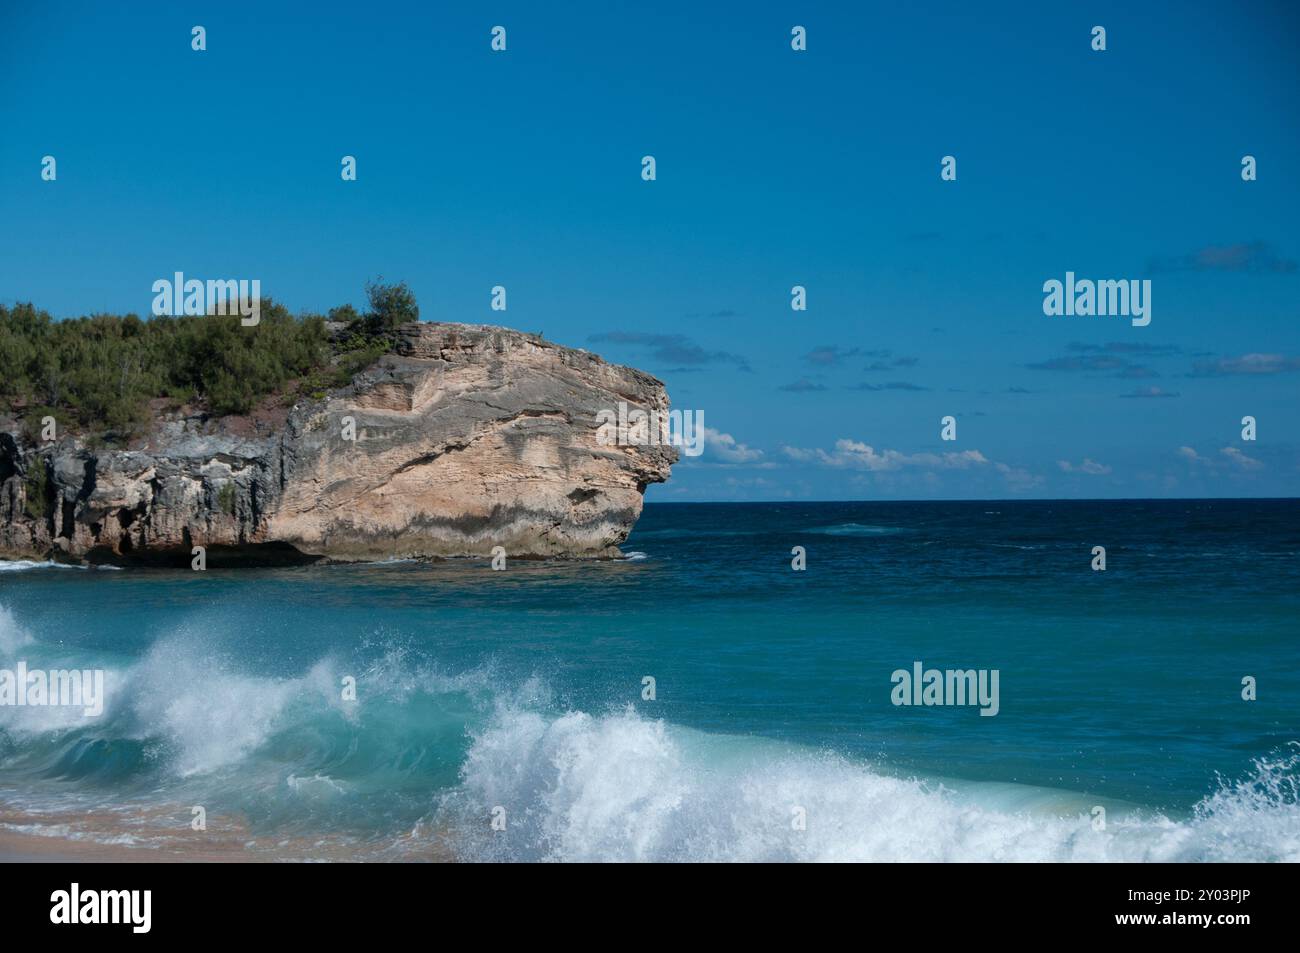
(621, 787)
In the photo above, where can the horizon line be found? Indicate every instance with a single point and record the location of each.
(1045, 499)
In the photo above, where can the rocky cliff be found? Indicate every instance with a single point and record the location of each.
(463, 438)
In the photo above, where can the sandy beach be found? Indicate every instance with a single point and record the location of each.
(144, 837)
(25, 848)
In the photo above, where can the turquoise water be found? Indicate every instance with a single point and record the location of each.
(521, 692)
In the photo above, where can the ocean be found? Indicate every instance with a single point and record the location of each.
(698, 700)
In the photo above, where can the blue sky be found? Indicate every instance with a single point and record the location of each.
(775, 168)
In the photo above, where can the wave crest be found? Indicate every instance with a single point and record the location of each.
(622, 787)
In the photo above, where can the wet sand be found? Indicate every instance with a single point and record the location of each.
(23, 848)
(152, 837)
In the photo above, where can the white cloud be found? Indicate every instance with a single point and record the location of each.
(1231, 455)
(856, 455)
(1240, 459)
(725, 447)
(1017, 478)
(1088, 466)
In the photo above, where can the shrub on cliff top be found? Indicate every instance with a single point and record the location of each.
(102, 371)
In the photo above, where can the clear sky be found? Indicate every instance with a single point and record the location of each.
(775, 168)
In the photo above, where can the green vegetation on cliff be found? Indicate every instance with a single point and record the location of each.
(99, 373)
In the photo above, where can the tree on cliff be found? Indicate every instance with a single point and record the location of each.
(390, 307)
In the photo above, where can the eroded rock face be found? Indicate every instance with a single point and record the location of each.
(466, 437)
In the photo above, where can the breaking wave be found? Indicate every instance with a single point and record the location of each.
(428, 754)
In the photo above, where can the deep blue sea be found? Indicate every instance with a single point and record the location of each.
(516, 696)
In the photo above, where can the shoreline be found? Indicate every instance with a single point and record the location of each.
(17, 847)
(21, 847)
(112, 838)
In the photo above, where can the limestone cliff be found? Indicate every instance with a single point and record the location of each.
(466, 437)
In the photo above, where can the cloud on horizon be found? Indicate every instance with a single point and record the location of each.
(1125, 347)
(727, 448)
(861, 456)
(1244, 257)
(675, 349)
(1088, 466)
(802, 386)
(1246, 364)
(829, 355)
(1109, 364)
(1232, 455)
(1145, 392)
(892, 385)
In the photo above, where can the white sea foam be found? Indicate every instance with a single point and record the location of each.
(623, 787)
(26, 565)
(316, 786)
(12, 635)
(856, 529)
(210, 717)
